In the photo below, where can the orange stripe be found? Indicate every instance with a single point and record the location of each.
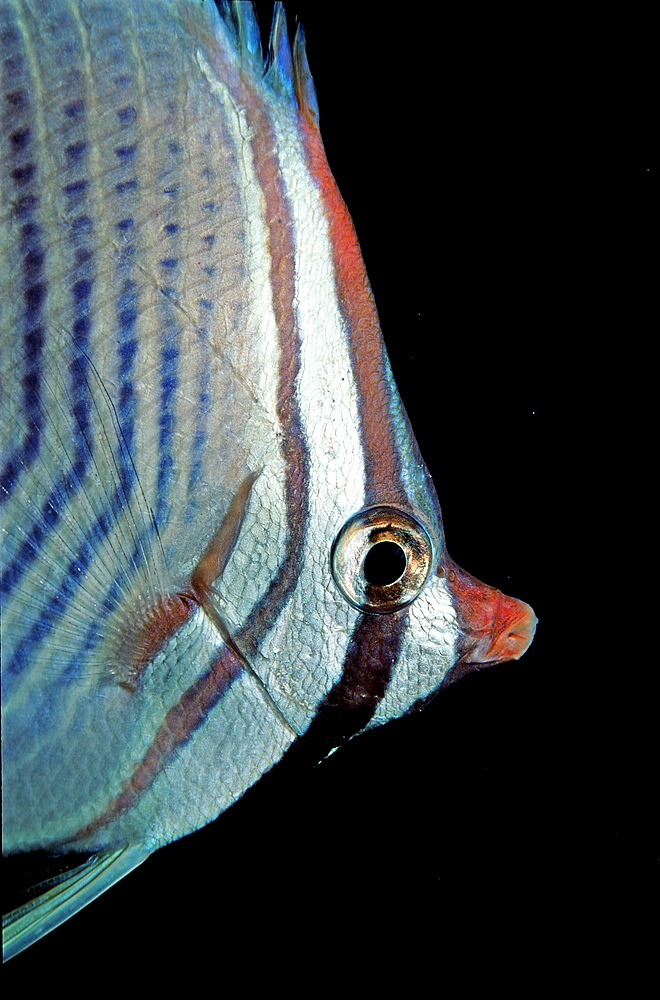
(180, 722)
(357, 303)
(184, 718)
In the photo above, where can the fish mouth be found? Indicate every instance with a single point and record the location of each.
(508, 636)
(494, 628)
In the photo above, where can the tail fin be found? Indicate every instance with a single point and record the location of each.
(65, 895)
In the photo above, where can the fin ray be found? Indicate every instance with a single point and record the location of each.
(78, 530)
(71, 892)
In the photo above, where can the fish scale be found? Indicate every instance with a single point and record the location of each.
(202, 443)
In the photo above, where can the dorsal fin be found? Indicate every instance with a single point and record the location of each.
(241, 20)
(279, 74)
(285, 71)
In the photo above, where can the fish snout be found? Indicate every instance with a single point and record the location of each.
(494, 627)
(509, 634)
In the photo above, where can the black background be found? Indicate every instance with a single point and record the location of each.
(502, 835)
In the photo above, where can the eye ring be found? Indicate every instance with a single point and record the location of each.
(381, 559)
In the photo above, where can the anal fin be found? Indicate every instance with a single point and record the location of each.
(66, 895)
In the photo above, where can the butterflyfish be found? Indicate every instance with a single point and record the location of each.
(219, 539)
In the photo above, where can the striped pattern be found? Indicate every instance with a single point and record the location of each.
(195, 399)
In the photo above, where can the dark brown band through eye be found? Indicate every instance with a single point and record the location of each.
(381, 559)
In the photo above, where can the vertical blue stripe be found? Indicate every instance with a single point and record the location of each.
(202, 411)
(17, 124)
(69, 482)
(169, 381)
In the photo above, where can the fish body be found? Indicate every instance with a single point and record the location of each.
(203, 449)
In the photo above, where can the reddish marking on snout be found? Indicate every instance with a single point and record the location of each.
(494, 627)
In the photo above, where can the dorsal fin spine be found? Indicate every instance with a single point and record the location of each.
(248, 32)
(285, 70)
(279, 74)
(302, 78)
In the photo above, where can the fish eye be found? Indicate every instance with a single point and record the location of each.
(381, 559)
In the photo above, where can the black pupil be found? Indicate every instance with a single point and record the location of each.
(384, 563)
